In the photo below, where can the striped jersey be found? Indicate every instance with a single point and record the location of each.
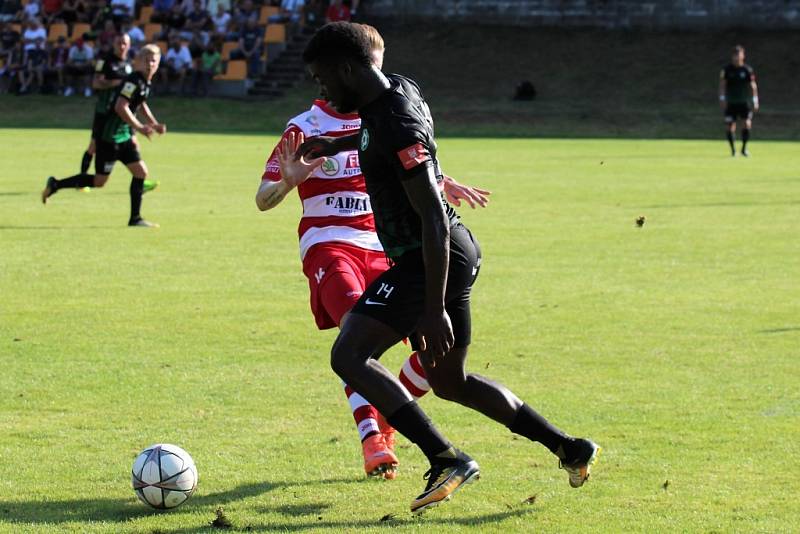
(336, 206)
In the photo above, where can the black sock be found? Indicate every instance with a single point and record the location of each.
(412, 422)
(137, 186)
(731, 141)
(745, 138)
(77, 181)
(85, 162)
(533, 426)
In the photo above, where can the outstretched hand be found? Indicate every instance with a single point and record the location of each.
(456, 192)
(295, 168)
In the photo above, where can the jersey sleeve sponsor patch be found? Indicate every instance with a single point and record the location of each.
(99, 66)
(128, 89)
(414, 155)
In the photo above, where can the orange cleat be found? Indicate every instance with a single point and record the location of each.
(379, 461)
(388, 432)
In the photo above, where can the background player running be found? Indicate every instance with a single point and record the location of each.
(738, 97)
(425, 294)
(116, 140)
(339, 249)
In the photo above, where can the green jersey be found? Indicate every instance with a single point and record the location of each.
(134, 89)
(110, 67)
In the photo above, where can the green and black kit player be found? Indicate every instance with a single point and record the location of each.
(116, 140)
(738, 98)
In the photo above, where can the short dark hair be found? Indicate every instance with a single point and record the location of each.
(337, 41)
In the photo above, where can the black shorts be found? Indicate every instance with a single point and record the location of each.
(108, 153)
(738, 111)
(397, 297)
(97, 125)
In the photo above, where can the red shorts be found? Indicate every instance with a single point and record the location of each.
(337, 276)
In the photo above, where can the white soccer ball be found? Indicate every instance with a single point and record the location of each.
(164, 476)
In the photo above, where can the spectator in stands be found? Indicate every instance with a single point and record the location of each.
(208, 67)
(51, 11)
(137, 36)
(337, 12)
(290, 11)
(9, 10)
(245, 11)
(212, 6)
(123, 11)
(79, 68)
(8, 40)
(250, 48)
(100, 12)
(33, 34)
(13, 71)
(175, 21)
(72, 11)
(105, 39)
(30, 11)
(33, 67)
(179, 63)
(188, 6)
(198, 21)
(58, 61)
(161, 10)
(221, 22)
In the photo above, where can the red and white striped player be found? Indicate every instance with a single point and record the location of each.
(339, 247)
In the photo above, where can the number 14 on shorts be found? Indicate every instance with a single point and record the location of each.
(383, 292)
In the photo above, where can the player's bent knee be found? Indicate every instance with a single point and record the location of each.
(100, 180)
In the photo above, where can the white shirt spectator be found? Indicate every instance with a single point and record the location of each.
(211, 5)
(180, 59)
(122, 8)
(31, 9)
(80, 56)
(29, 37)
(221, 22)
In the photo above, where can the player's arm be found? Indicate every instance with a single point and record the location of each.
(290, 172)
(754, 89)
(456, 192)
(723, 89)
(121, 108)
(151, 119)
(328, 146)
(435, 331)
(99, 80)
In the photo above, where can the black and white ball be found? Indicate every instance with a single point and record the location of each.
(164, 476)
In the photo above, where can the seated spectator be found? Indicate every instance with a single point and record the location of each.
(33, 67)
(51, 11)
(13, 71)
(122, 11)
(188, 6)
(337, 12)
(176, 20)
(100, 12)
(72, 11)
(244, 11)
(179, 63)
(221, 22)
(290, 11)
(198, 21)
(161, 10)
(58, 62)
(33, 34)
(250, 48)
(9, 10)
(79, 68)
(137, 37)
(208, 67)
(30, 11)
(197, 44)
(212, 6)
(105, 39)
(8, 40)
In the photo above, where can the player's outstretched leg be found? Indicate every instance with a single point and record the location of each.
(74, 182)
(450, 381)
(379, 459)
(361, 340)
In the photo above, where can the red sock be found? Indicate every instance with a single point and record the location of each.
(364, 413)
(412, 376)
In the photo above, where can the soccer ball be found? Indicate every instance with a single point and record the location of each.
(164, 476)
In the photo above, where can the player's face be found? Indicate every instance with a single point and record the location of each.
(148, 64)
(738, 58)
(122, 45)
(333, 87)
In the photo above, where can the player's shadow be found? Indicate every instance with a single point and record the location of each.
(780, 330)
(119, 510)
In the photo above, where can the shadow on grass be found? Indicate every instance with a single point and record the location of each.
(119, 510)
(780, 330)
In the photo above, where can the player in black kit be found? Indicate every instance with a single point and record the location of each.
(425, 295)
(738, 97)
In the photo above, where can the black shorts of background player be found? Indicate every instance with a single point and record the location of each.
(425, 294)
(116, 141)
(738, 97)
(109, 71)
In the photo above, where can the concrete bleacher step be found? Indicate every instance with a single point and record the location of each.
(285, 71)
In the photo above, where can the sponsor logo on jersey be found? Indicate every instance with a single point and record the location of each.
(364, 139)
(348, 204)
(352, 161)
(414, 155)
(330, 167)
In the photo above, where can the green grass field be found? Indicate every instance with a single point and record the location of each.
(674, 346)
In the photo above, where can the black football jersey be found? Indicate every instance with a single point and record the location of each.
(737, 83)
(135, 89)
